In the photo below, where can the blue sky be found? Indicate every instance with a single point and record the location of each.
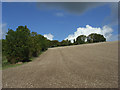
(60, 20)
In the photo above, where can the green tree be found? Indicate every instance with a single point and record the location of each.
(18, 44)
(3, 46)
(43, 42)
(10, 48)
(81, 39)
(54, 43)
(74, 42)
(65, 42)
(35, 44)
(92, 38)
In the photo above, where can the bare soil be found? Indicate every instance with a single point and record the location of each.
(79, 66)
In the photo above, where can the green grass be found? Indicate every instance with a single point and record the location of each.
(6, 64)
(11, 65)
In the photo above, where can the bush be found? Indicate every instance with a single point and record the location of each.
(93, 38)
(81, 39)
(21, 45)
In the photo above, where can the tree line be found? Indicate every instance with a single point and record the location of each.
(22, 44)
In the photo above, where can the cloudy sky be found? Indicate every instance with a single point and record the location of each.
(59, 21)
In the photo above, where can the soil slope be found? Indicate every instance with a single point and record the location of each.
(79, 66)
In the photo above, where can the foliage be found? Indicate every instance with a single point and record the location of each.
(35, 44)
(93, 38)
(21, 45)
(17, 46)
(81, 39)
(54, 43)
(65, 42)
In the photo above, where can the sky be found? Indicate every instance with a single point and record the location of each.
(59, 21)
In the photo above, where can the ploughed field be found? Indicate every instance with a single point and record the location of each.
(79, 66)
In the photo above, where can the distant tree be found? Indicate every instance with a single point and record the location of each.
(69, 42)
(65, 42)
(54, 43)
(81, 39)
(35, 44)
(44, 42)
(92, 38)
(74, 42)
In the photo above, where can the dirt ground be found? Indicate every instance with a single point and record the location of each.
(79, 66)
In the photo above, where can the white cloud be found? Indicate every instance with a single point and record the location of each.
(59, 14)
(115, 37)
(49, 36)
(106, 31)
